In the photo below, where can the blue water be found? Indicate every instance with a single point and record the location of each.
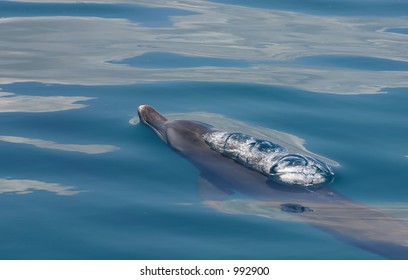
(399, 30)
(78, 181)
(172, 60)
(148, 16)
(332, 7)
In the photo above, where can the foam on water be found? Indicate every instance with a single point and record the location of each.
(270, 159)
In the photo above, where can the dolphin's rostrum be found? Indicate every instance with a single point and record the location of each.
(229, 163)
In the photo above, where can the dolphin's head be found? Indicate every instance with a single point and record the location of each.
(153, 119)
(182, 135)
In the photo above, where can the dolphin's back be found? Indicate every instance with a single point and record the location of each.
(323, 207)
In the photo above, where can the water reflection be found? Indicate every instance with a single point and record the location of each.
(29, 186)
(147, 16)
(173, 60)
(88, 149)
(32, 51)
(10, 102)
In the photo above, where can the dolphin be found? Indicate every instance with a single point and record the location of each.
(322, 207)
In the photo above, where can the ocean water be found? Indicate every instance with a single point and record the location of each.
(81, 178)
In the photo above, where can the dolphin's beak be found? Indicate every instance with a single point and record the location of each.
(153, 119)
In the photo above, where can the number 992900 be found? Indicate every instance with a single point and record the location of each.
(251, 270)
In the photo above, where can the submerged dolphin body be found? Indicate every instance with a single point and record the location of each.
(323, 207)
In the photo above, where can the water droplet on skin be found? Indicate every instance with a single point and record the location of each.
(270, 159)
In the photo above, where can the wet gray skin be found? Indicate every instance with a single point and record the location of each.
(324, 208)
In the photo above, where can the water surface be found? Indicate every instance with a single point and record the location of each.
(78, 181)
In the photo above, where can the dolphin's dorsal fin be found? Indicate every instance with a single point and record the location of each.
(209, 192)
